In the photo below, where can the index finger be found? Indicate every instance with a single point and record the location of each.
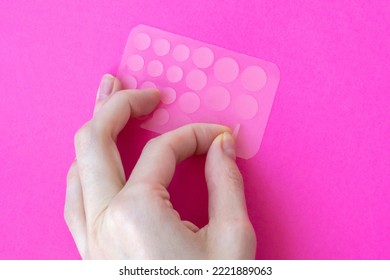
(100, 166)
(158, 160)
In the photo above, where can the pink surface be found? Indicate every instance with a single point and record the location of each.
(215, 85)
(319, 186)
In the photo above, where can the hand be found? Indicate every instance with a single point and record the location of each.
(111, 218)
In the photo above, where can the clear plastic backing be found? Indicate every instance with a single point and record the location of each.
(200, 82)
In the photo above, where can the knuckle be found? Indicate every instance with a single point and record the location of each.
(89, 134)
(129, 208)
(85, 135)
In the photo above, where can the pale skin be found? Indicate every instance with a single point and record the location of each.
(114, 218)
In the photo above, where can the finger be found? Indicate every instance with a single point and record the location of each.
(99, 162)
(74, 209)
(158, 160)
(224, 181)
(108, 85)
(122, 106)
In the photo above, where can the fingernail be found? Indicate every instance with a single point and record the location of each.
(105, 87)
(229, 145)
(236, 130)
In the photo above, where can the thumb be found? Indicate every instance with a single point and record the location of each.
(231, 231)
(224, 181)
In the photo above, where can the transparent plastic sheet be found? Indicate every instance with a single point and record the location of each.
(200, 82)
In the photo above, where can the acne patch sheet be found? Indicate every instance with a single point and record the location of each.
(200, 82)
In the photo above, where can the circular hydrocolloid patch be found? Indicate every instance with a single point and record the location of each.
(226, 70)
(168, 95)
(181, 52)
(174, 74)
(135, 62)
(160, 116)
(148, 84)
(155, 68)
(217, 98)
(196, 79)
(161, 47)
(142, 41)
(189, 102)
(253, 78)
(245, 106)
(203, 57)
(131, 82)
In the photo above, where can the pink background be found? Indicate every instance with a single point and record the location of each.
(318, 189)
